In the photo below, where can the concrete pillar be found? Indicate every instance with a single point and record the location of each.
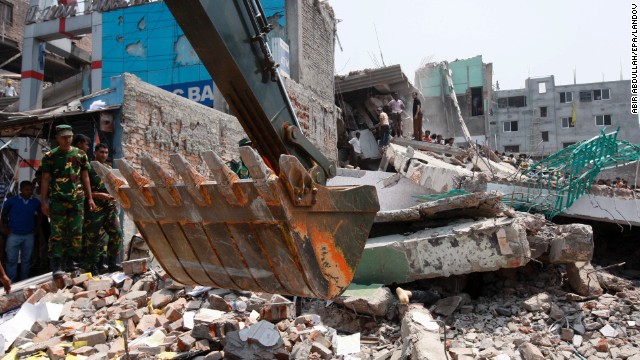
(293, 10)
(32, 70)
(96, 51)
(32, 73)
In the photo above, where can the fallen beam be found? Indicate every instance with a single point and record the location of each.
(462, 206)
(459, 248)
(427, 146)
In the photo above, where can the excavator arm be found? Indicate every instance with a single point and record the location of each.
(283, 231)
(230, 38)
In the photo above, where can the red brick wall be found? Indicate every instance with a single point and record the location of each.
(15, 31)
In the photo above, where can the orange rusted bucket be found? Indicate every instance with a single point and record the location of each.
(276, 234)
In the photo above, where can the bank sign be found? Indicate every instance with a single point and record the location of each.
(198, 91)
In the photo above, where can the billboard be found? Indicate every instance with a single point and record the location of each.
(146, 41)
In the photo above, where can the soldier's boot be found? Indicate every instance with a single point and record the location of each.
(113, 265)
(103, 267)
(70, 265)
(56, 268)
(93, 269)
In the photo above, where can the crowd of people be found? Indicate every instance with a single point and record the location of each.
(617, 183)
(522, 162)
(390, 123)
(68, 206)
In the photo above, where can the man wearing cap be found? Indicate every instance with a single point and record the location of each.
(105, 217)
(238, 167)
(65, 172)
(9, 90)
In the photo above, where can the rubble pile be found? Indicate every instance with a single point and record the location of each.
(144, 314)
(527, 313)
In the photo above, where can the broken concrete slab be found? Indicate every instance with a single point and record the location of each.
(583, 279)
(462, 206)
(459, 248)
(427, 171)
(574, 242)
(431, 147)
(366, 299)
(426, 342)
(394, 195)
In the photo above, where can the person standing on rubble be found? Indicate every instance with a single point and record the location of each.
(24, 222)
(397, 106)
(65, 173)
(356, 150)
(383, 119)
(104, 217)
(417, 117)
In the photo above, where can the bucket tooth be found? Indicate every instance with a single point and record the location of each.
(191, 179)
(164, 183)
(112, 183)
(136, 182)
(298, 181)
(261, 174)
(225, 177)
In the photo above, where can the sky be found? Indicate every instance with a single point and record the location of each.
(521, 38)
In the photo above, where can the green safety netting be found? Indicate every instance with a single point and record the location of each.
(450, 193)
(555, 183)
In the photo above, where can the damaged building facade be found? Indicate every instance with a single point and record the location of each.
(358, 95)
(504, 281)
(118, 48)
(538, 119)
(472, 83)
(135, 118)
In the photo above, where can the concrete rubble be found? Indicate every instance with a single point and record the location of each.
(529, 312)
(501, 285)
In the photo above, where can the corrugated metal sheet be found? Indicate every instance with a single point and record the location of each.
(30, 124)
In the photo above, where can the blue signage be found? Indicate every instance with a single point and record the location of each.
(146, 41)
(198, 91)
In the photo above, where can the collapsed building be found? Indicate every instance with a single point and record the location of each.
(441, 218)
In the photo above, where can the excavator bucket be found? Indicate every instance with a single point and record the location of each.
(276, 234)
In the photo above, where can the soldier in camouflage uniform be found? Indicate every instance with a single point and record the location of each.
(105, 217)
(239, 167)
(65, 172)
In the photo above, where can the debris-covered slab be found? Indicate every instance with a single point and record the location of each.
(461, 206)
(462, 247)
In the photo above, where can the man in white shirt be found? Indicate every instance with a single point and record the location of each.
(357, 150)
(9, 90)
(397, 106)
